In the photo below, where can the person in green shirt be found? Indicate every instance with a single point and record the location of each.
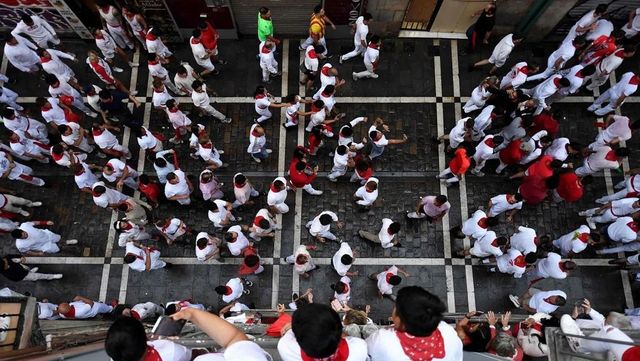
(265, 25)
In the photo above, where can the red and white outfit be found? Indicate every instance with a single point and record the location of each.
(524, 240)
(345, 296)
(382, 280)
(141, 258)
(130, 231)
(158, 71)
(349, 349)
(200, 54)
(486, 246)
(85, 179)
(103, 71)
(341, 268)
(211, 190)
(543, 91)
(624, 230)
(38, 239)
(502, 51)
(136, 28)
(236, 247)
(325, 79)
(392, 345)
(479, 97)
(23, 125)
(550, 267)
(370, 58)
(482, 121)
(604, 68)
(109, 198)
(149, 141)
(516, 76)
(512, 262)
(619, 130)
(55, 114)
(221, 214)
(22, 55)
(41, 32)
(317, 229)
(80, 310)
(106, 140)
(165, 350)
(56, 67)
(179, 121)
(539, 300)
(629, 187)
(202, 101)
(106, 44)
(292, 114)
(262, 107)
(173, 228)
(19, 172)
(243, 192)
(235, 288)
(77, 133)
(603, 158)
(111, 17)
(575, 241)
(268, 62)
(305, 267)
(30, 149)
(64, 89)
(211, 247)
(563, 53)
(156, 46)
(619, 208)
(262, 214)
(367, 197)
(118, 167)
(277, 198)
(626, 86)
(141, 311)
(181, 188)
(476, 226)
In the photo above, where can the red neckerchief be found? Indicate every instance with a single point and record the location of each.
(611, 155)
(341, 354)
(238, 185)
(536, 241)
(422, 348)
(373, 46)
(369, 190)
(579, 75)
(174, 110)
(97, 132)
(273, 188)
(227, 290)
(150, 36)
(490, 143)
(325, 70)
(346, 288)
(98, 68)
(524, 70)
(158, 91)
(619, 53)
(561, 265)
(312, 54)
(495, 243)
(260, 96)
(71, 313)
(99, 35)
(482, 222)
(556, 82)
(323, 94)
(255, 134)
(152, 354)
(207, 145)
(265, 50)
(152, 62)
(314, 108)
(635, 80)
(57, 156)
(634, 226)
(388, 276)
(584, 237)
(257, 220)
(45, 60)
(520, 262)
(631, 354)
(135, 315)
(195, 41)
(126, 226)
(14, 141)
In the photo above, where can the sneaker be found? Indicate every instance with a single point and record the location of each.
(117, 70)
(353, 75)
(591, 223)
(133, 65)
(193, 156)
(256, 159)
(478, 173)
(399, 245)
(92, 114)
(71, 241)
(221, 152)
(317, 193)
(246, 292)
(515, 300)
(248, 283)
(215, 72)
(269, 151)
(222, 62)
(226, 120)
(57, 276)
(340, 59)
(267, 81)
(493, 269)
(34, 269)
(35, 204)
(24, 213)
(582, 213)
(592, 108)
(175, 140)
(569, 326)
(332, 179)
(133, 93)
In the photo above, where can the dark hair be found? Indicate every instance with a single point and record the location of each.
(99, 189)
(126, 340)
(160, 162)
(51, 79)
(129, 258)
(373, 134)
(518, 197)
(278, 183)
(375, 39)
(40, 52)
(259, 90)
(16, 233)
(588, 70)
(7, 112)
(394, 227)
(329, 89)
(518, 36)
(58, 149)
(251, 260)
(263, 10)
(170, 309)
(325, 219)
(564, 82)
(26, 18)
(264, 224)
(319, 49)
(62, 128)
(201, 243)
(144, 179)
(318, 103)
(498, 139)
(171, 176)
(341, 150)
(501, 241)
(622, 152)
(318, 329)
(317, 8)
(560, 301)
(181, 70)
(395, 280)
(123, 208)
(339, 287)
(196, 84)
(239, 178)
(346, 131)
(300, 166)
(196, 33)
(492, 221)
(419, 310)
(362, 165)
(569, 265)
(104, 94)
(170, 103)
(221, 290)
(441, 199)
(531, 258)
(635, 125)
(228, 237)
(601, 9)
(346, 259)
(367, 16)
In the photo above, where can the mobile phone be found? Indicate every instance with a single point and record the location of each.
(167, 326)
(479, 313)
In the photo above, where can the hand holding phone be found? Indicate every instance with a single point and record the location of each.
(166, 326)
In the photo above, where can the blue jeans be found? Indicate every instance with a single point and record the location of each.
(375, 151)
(262, 154)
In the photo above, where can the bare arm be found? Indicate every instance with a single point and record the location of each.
(221, 331)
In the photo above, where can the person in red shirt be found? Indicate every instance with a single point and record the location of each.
(544, 167)
(251, 262)
(209, 38)
(316, 138)
(547, 121)
(534, 188)
(513, 154)
(570, 187)
(458, 166)
(150, 189)
(362, 171)
(299, 178)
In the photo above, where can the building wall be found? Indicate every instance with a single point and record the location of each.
(387, 15)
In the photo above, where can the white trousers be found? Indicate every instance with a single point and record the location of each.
(359, 50)
(120, 36)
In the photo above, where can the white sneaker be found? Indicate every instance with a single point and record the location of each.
(256, 159)
(340, 60)
(227, 120)
(478, 173)
(34, 269)
(601, 201)
(24, 213)
(221, 151)
(592, 108)
(269, 151)
(133, 93)
(353, 75)
(582, 213)
(71, 241)
(569, 326)
(515, 300)
(591, 223)
(116, 69)
(101, 155)
(57, 276)
(332, 179)
(317, 193)
(92, 114)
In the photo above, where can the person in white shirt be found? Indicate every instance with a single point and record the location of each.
(127, 340)
(293, 112)
(159, 72)
(58, 88)
(264, 101)
(21, 54)
(264, 224)
(184, 78)
(130, 232)
(243, 190)
(551, 267)
(575, 241)
(477, 225)
(234, 289)
(16, 171)
(602, 158)
(13, 204)
(172, 307)
(345, 134)
(559, 58)
(518, 75)
(488, 245)
(343, 259)
(513, 262)
(608, 65)
(482, 122)
(47, 310)
(302, 261)
(480, 94)
(320, 226)
(38, 29)
(28, 148)
(367, 194)
(278, 195)
(108, 142)
(460, 133)
(52, 64)
(178, 187)
(258, 144)
(141, 311)
(386, 235)
(147, 141)
(510, 203)
(310, 64)
(109, 48)
(626, 188)
(342, 291)
(8, 96)
(164, 166)
(500, 53)
(386, 279)
(618, 128)
(31, 240)
(82, 308)
(379, 140)
(201, 54)
(632, 27)
(207, 247)
(342, 158)
(210, 186)
(576, 76)
(172, 228)
(623, 230)
(316, 333)
(117, 171)
(236, 240)
(268, 62)
(535, 300)
(155, 45)
(52, 111)
(545, 90)
(525, 240)
(411, 338)
(24, 125)
(328, 76)
(75, 136)
(371, 60)
(221, 214)
(487, 149)
(361, 27)
(431, 208)
(201, 100)
(141, 258)
(179, 121)
(110, 16)
(611, 211)
(106, 197)
(616, 95)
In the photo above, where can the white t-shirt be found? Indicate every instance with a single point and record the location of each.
(380, 142)
(201, 99)
(289, 349)
(484, 246)
(371, 55)
(274, 198)
(624, 86)
(344, 297)
(180, 188)
(236, 290)
(550, 267)
(571, 242)
(472, 228)
(240, 243)
(221, 214)
(538, 303)
(618, 129)
(318, 228)
(623, 207)
(111, 196)
(386, 239)
(384, 345)
(512, 262)
(430, 209)
(341, 268)
(311, 60)
(362, 30)
(383, 286)
(170, 351)
(621, 230)
(500, 204)
(201, 254)
(524, 240)
(239, 351)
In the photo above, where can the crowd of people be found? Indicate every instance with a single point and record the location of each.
(513, 121)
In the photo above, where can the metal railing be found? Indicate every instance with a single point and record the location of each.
(559, 349)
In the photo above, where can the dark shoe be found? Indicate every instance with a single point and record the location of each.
(168, 265)
(215, 72)
(399, 245)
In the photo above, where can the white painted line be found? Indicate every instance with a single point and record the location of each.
(124, 281)
(65, 260)
(297, 226)
(417, 34)
(387, 261)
